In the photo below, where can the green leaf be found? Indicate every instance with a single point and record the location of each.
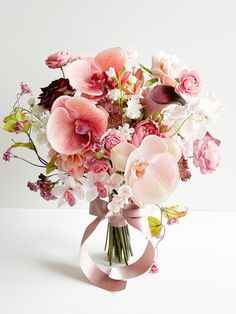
(145, 68)
(51, 165)
(11, 120)
(21, 144)
(154, 115)
(154, 225)
(150, 82)
(172, 212)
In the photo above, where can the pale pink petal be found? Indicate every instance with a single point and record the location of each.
(85, 110)
(120, 154)
(59, 102)
(112, 57)
(79, 74)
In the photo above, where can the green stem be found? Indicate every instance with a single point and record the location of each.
(63, 73)
(185, 120)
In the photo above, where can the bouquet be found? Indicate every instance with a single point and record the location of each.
(122, 136)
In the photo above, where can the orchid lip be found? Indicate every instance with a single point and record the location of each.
(81, 127)
(139, 168)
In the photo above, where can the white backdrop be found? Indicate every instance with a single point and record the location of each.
(202, 33)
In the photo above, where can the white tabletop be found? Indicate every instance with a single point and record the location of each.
(39, 271)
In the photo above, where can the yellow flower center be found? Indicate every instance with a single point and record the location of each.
(139, 168)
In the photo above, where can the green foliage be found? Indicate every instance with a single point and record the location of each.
(171, 212)
(150, 82)
(11, 120)
(51, 165)
(154, 225)
(21, 144)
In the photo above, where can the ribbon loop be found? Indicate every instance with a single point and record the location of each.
(116, 279)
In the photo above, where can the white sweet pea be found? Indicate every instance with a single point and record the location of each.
(121, 199)
(126, 131)
(111, 73)
(133, 110)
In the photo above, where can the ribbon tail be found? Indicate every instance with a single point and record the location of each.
(94, 274)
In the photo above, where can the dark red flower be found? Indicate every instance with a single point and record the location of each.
(54, 90)
(184, 171)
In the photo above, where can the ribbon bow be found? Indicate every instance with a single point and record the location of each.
(116, 279)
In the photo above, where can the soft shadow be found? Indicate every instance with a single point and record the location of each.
(65, 269)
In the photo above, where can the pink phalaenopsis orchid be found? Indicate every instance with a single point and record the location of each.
(88, 73)
(73, 124)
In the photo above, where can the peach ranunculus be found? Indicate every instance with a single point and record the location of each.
(167, 68)
(73, 124)
(151, 171)
(88, 73)
(72, 164)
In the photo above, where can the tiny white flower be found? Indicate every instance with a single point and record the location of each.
(126, 131)
(111, 73)
(31, 101)
(114, 94)
(125, 191)
(133, 110)
(132, 79)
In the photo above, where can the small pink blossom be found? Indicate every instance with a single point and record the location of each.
(58, 59)
(172, 221)
(25, 89)
(189, 83)
(143, 129)
(154, 268)
(99, 165)
(7, 155)
(111, 139)
(206, 153)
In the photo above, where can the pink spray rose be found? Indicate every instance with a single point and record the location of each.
(99, 165)
(58, 59)
(111, 139)
(151, 171)
(143, 129)
(88, 73)
(206, 153)
(73, 124)
(189, 83)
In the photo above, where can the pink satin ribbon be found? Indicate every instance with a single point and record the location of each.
(116, 279)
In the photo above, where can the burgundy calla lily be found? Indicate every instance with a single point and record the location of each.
(159, 97)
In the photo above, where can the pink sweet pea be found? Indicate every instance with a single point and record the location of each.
(206, 153)
(58, 59)
(88, 74)
(151, 171)
(189, 83)
(73, 124)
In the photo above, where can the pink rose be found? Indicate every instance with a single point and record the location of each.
(189, 83)
(111, 139)
(99, 165)
(58, 59)
(74, 123)
(206, 153)
(143, 129)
